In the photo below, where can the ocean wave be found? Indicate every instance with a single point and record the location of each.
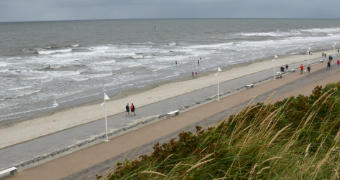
(48, 52)
(3, 64)
(271, 34)
(19, 88)
(171, 44)
(322, 30)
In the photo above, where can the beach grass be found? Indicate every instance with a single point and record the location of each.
(296, 138)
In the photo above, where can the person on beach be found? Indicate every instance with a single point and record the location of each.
(133, 109)
(338, 62)
(308, 68)
(176, 63)
(198, 62)
(196, 73)
(192, 74)
(282, 69)
(286, 67)
(127, 108)
(301, 69)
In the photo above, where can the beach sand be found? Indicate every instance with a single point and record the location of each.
(86, 158)
(58, 121)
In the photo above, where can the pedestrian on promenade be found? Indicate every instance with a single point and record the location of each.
(127, 108)
(308, 68)
(329, 65)
(330, 58)
(133, 109)
(301, 69)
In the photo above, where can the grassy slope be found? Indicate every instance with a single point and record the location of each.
(297, 138)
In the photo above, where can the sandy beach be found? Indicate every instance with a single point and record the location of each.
(291, 84)
(58, 121)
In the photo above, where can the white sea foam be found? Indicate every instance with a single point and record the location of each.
(270, 34)
(322, 30)
(3, 64)
(171, 44)
(19, 88)
(47, 52)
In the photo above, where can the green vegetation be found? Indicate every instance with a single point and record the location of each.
(297, 138)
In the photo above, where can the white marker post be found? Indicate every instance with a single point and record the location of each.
(218, 83)
(275, 57)
(106, 97)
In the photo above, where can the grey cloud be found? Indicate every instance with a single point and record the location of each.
(23, 10)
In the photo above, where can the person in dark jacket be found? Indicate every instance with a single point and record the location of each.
(127, 108)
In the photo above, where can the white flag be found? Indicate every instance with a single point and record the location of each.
(219, 69)
(106, 97)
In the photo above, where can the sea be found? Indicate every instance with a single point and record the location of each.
(48, 66)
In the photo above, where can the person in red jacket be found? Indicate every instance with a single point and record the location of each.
(132, 108)
(301, 68)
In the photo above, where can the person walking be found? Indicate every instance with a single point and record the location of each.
(286, 67)
(133, 109)
(329, 65)
(127, 108)
(308, 68)
(338, 62)
(301, 69)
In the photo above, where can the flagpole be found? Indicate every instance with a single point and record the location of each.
(107, 138)
(218, 83)
(275, 57)
(106, 97)
(218, 88)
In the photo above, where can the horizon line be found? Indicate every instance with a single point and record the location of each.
(117, 19)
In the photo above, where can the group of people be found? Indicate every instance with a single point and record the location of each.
(131, 108)
(302, 67)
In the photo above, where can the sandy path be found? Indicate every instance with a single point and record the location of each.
(91, 156)
(58, 121)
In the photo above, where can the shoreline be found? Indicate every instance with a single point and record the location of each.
(19, 117)
(58, 121)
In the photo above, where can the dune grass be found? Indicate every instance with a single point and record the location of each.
(297, 138)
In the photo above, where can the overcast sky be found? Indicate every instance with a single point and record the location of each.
(37, 10)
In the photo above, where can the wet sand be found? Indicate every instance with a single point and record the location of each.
(58, 121)
(291, 84)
